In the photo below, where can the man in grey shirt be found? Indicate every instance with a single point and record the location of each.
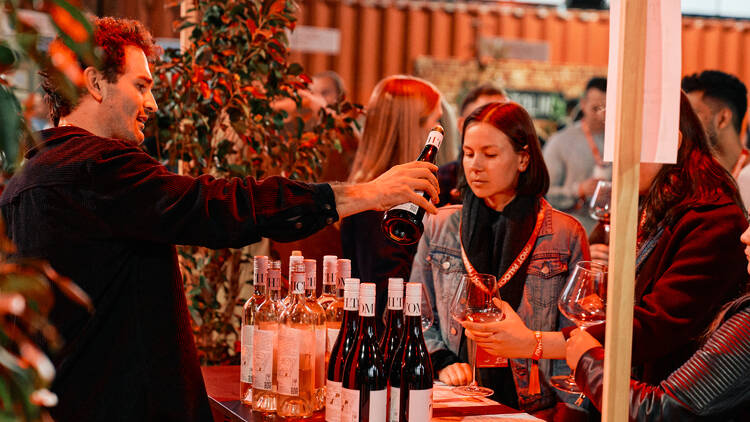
(574, 157)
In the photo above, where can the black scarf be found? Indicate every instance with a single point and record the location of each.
(493, 239)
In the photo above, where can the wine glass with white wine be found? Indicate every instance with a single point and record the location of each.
(473, 302)
(583, 301)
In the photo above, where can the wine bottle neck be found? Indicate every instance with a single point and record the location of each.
(394, 317)
(367, 326)
(260, 289)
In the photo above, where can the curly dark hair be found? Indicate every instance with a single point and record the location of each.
(722, 87)
(696, 176)
(111, 35)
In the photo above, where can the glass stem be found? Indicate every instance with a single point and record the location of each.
(474, 367)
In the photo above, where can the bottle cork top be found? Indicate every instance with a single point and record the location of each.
(395, 284)
(367, 290)
(310, 266)
(260, 264)
(351, 284)
(414, 289)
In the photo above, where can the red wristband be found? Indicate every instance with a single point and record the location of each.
(538, 350)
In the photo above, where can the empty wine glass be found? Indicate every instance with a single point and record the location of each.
(599, 210)
(473, 302)
(582, 301)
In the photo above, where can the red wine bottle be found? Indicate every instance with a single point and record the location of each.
(394, 320)
(403, 223)
(363, 390)
(410, 376)
(347, 336)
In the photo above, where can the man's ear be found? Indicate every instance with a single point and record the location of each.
(723, 118)
(94, 81)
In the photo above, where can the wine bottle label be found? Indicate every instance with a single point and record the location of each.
(349, 405)
(378, 405)
(310, 283)
(320, 357)
(408, 206)
(367, 308)
(351, 303)
(333, 334)
(298, 284)
(413, 308)
(274, 280)
(420, 405)
(246, 354)
(435, 139)
(333, 401)
(287, 371)
(395, 398)
(264, 341)
(396, 302)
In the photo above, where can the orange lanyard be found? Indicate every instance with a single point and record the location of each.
(592, 145)
(516, 265)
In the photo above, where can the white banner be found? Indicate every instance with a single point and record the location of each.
(661, 85)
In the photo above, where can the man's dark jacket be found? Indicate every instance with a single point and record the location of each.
(107, 215)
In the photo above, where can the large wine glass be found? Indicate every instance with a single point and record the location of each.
(582, 301)
(599, 210)
(473, 302)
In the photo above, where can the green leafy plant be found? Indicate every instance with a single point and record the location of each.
(231, 104)
(26, 296)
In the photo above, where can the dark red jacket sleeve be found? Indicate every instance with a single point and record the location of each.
(697, 266)
(140, 198)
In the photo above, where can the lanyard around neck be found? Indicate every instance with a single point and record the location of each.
(516, 265)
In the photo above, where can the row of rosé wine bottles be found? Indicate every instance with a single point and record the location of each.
(303, 353)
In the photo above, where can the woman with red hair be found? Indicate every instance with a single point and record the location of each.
(689, 263)
(401, 111)
(505, 228)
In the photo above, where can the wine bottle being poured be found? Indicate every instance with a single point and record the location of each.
(403, 223)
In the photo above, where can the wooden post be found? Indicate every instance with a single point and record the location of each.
(620, 293)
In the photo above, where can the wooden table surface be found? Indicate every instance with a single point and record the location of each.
(223, 388)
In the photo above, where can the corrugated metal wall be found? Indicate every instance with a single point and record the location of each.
(383, 37)
(380, 38)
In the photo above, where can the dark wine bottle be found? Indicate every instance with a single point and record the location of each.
(410, 376)
(347, 336)
(403, 223)
(394, 320)
(363, 390)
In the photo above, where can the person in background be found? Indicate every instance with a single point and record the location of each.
(105, 214)
(327, 89)
(448, 173)
(503, 210)
(401, 111)
(574, 156)
(714, 384)
(688, 266)
(328, 85)
(451, 138)
(720, 101)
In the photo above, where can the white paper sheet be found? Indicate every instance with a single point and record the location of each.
(661, 90)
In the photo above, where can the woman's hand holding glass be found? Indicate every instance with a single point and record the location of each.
(509, 338)
(473, 301)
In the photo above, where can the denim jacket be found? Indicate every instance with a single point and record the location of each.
(560, 245)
